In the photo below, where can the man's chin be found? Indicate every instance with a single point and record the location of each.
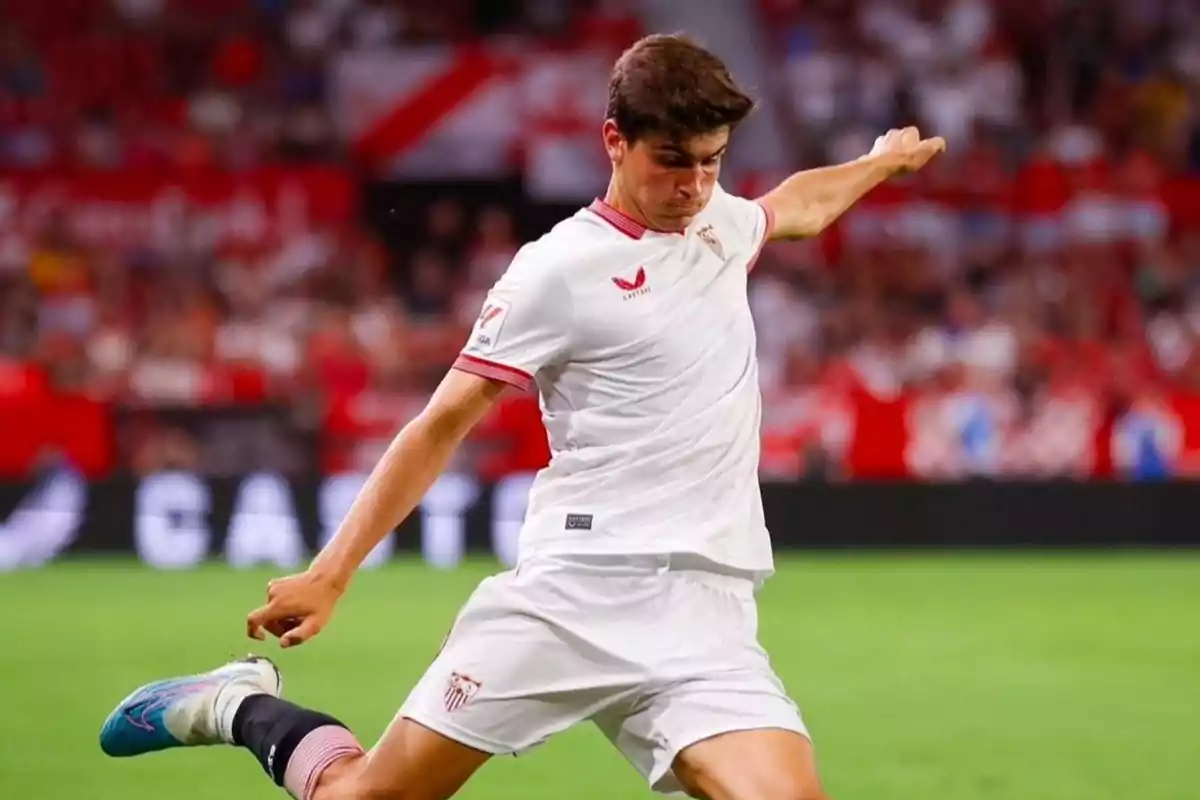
(677, 221)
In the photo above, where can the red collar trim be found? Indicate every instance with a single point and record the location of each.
(618, 219)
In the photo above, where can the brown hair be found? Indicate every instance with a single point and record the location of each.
(669, 84)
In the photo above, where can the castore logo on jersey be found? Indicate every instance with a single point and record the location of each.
(633, 288)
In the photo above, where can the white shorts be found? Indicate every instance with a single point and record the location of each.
(659, 658)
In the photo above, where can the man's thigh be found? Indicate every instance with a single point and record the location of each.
(764, 764)
(709, 677)
(522, 662)
(664, 733)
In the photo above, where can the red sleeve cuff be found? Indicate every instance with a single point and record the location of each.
(768, 229)
(493, 371)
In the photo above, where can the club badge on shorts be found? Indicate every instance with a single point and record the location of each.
(459, 690)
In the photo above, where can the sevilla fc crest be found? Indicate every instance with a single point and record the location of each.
(459, 690)
(709, 237)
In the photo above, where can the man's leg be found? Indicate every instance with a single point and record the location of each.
(731, 737)
(503, 682)
(315, 757)
(766, 764)
(311, 754)
(714, 720)
(410, 761)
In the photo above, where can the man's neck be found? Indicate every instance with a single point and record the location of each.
(618, 200)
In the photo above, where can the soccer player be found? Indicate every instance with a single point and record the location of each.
(633, 601)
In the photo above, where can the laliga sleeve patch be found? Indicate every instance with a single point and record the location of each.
(486, 335)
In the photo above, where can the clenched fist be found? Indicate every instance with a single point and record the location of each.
(904, 150)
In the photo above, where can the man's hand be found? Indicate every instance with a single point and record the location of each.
(808, 202)
(904, 151)
(297, 608)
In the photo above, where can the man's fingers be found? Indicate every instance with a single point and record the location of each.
(279, 627)
(289, 613)
(256, 620)
(300, 634)
(937, 144)
(271, 617)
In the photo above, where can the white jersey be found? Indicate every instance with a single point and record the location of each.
(643, 349)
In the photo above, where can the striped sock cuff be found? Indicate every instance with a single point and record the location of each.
(316, 751)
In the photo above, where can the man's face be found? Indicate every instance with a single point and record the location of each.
(670, 181)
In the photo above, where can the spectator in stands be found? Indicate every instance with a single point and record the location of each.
(431, 292)
(968, 318)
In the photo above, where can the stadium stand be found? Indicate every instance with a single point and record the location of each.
(190, 224)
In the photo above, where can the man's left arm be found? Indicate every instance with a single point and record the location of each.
(808, 202)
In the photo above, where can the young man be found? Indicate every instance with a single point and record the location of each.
(633, 601)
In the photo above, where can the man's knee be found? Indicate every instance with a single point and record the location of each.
(780, 788)
(797, 785)
(767, 764)
(705, 784)
(795, 791)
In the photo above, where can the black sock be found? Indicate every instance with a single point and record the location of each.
(271, 728)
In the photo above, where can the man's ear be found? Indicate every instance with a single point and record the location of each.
(614, 143)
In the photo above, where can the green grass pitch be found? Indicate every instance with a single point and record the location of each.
(1022, 677)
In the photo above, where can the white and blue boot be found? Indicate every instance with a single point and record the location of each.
(192, 711)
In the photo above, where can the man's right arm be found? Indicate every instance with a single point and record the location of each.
(299, 606)
(524, 325)
(404, 474)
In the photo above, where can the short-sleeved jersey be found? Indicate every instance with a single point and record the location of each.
(643, 349)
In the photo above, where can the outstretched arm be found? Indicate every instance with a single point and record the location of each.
(407, 469)
(299, 606)
(808, 202)
(524, 325)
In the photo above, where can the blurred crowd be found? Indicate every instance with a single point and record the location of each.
(345, 331)
(214, 83)
(1035, 297)
(1028, 307)
(1080, 79)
